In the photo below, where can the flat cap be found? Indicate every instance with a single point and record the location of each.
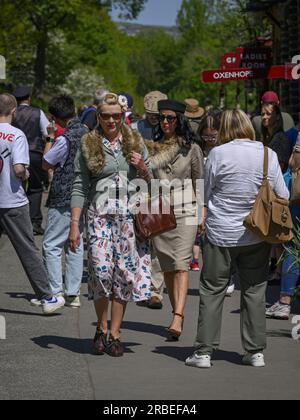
(22, 92)
(151, 100)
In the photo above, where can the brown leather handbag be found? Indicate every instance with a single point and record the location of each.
(270, 217)
(150, 224)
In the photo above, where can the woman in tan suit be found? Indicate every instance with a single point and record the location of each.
(177, 161)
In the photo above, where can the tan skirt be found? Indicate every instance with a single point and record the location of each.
(174, 249)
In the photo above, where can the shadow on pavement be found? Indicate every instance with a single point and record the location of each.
(75, 345)
(193, 292)
(228, 356)
(181, 353)
(279, 333)
(236, 311)
(20, 295)
(144, 327)
(13, 312)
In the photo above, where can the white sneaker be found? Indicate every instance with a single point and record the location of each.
(230, 290)
(72, 301)
(254, 359)
(198, 360)
(51, 305)
(279, 311)
(35, 302)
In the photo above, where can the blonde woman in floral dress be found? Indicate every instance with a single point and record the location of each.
(119, 265)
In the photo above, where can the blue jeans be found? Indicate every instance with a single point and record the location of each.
(289, 276)
(55, 241)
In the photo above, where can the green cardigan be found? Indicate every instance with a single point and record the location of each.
(92, 187)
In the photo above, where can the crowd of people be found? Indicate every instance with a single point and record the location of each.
(91, 160)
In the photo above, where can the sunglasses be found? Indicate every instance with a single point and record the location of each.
(210, 138)
(153, 116)
(169, 118)
(106, 117)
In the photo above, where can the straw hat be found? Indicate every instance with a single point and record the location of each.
(193, 110)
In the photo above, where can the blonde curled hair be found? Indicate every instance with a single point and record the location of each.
(113, 99)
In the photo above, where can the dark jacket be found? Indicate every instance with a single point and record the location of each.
(28, 120)
(63, 177)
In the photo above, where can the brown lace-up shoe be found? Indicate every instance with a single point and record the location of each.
(100, 342)
(114, 347)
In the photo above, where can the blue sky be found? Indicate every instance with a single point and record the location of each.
(157, 12)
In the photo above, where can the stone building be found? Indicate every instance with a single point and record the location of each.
(285, 18)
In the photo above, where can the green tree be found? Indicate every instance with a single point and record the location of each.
(155, 61)
(208, 29)
(46, 19)
(130, 9)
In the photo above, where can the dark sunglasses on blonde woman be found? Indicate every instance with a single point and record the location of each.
(107, 117)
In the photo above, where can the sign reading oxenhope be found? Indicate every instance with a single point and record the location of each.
(274, 72)
(227, 75)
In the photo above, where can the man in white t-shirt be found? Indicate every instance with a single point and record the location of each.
(14, 207)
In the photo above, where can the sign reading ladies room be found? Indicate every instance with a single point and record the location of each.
(248, 64)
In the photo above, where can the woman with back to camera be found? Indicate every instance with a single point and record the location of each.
(233, 176)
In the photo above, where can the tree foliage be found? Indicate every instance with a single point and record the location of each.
(47, 25)
(67, 44)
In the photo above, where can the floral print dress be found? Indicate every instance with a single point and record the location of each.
(119, 265)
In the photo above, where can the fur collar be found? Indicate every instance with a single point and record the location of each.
(92, 147)
(161, 154)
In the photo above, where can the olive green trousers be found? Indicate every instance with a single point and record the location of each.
(252, 263)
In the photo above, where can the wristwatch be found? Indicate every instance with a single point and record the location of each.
(49, 140)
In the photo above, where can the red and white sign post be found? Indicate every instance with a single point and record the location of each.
(248, 64)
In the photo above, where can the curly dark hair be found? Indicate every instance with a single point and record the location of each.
(183, 129)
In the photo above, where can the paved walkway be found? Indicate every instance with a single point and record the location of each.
(50, 357)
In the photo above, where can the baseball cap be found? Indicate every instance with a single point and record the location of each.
(270, 97)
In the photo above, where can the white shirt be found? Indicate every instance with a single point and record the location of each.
(233, 176)
(13, 151)
(59, 152)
